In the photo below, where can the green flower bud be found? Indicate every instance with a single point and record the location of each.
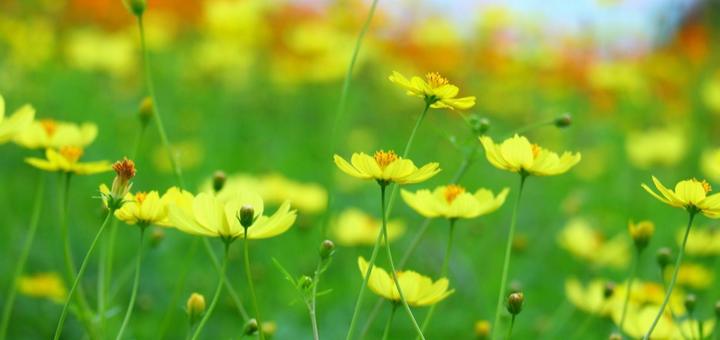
(327, 249)
(515, 302)
(251, 326)
(146, 110)
(136, 7)
(479, 125)
(218, 180)
(664, 257)
(305, 282)
(195, 307)
(563, 120)
(246, 216)
(690, 303)
(609, 289)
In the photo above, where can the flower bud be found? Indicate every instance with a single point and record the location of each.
(218, 180)
(146, 110)
(246, 216)
(564, 120)
(479, 125)
(124, 172)
(269, 328)
(482, 329)
(136, 7)
(690, 303)
(156, 237)
(251, 326)
(664, 257)
(609, 289)
(717, 310)
(641, 233)
(615, 336)
(305, 282)
(195, 307)
(515, 302)
(327, 248)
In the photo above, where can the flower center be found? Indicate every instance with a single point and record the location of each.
(435, 80)
(49, 125)
(71, 153)
(706, 186)
(125, 169)
(452, 191)
(384, 158)
(140, 197)
(535, 150)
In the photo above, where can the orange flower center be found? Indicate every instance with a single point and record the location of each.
(435, 80)
(140, 197)
(71, 153)
(706, 186)
(535, 150)
(49, 125)
(125, 169)
(384, 158)
(452, 191)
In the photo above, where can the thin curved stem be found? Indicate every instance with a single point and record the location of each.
(136, 283)
(251, 286)
(631, 278)
(678, 262)
(313, 300)
(389, 322)
(506, 261)
(22, 259)
(104, 275)
(216, 297)
(670, 308)
(76, 282)
(510, 329)
(443, 272)
(392, 266)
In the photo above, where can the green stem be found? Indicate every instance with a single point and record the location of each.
(136, 283)
(251, 286)
(104, 275)
(76, 282)
(216, 297)
(392, 265)
(156, 112)
(506, 261)
(510, 329)
(672, 312)
(631, 278)
(534, 126)
(168, 315)
(443, 271)
(678, 262)
(22, 259)
(228, 285)
(313, 301)
(389, 321)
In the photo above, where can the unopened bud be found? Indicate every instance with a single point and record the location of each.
(664, 257)
(246, 216)
(305, 282)
(251, 326)
(195, 307)
(479, 125)
(269, 328)
(146, 110)
(124, 172)
(609, 289)
(690, 303)
(482, 329)
(641, 233)
(564, 120)
(515, 302)
(327, 248)
(218, 180)
(156, 237)
(136, 7)
(615, 336)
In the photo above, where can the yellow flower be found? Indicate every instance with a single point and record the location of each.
(17, 122)
(144, 208)
(452, 201)
(207, 215)
(701, 241)
(418, 290)
(43, 285)
(386, 167)
(436, 90)
(710, 164)
(691, 275)
(641, 233)
(354, 227)
(664, 147)
(689, 194)
(516, 154)
(589, 298)
(639, 318)
(67, 160)
(581, 240)
(48, 133)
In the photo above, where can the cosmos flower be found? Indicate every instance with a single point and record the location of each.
(144, 208)
(580, 239)
(17, 122)
(356, 228)
(68, 160)
(48, 133)
(43, 285)
(517, 154)
(435, 90)
(689, 194)
(386, 167)
(452, 201)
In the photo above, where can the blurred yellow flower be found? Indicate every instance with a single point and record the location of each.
(691, 275)
(657, 147)
(589, 298)
(206, 215)
(436, 90)
(418, 290)
(67, 160)
(701, 241)
(710, 164)
(144, 208)
(641, 232)
(581, 240)
(17, 122)
(43, 285)
(640, 317)
(689, 194)
(710, 92)
(189, 154)
(452, 201)
(95, 50)
(516, 154)
(48, 133)
(386, 167)
(354, 227)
